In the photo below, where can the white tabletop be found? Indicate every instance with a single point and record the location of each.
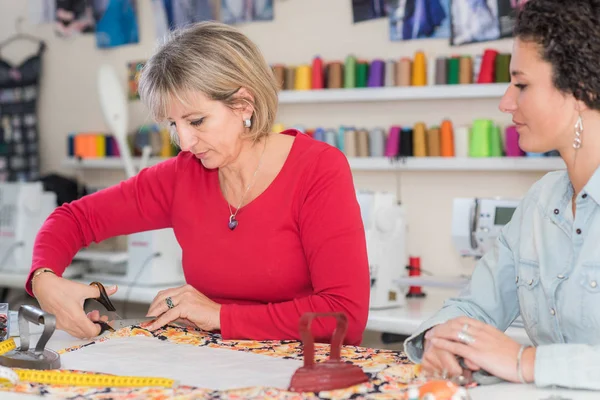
(405, 320)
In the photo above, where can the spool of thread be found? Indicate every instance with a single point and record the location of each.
(441, 71)
(350, 72)
(415, 271)
(319, 134)
(318, 79)
(303, 78)
(334, 75)
(453, 71)
(390, 73)
(461, 141)
(279, 72)
(433, 142)
(476, 67)
(496, 145)
(502, 68)
(480, 140)
(341, 138)
(330, 137)
(376, 74)
(276, 128)
(392, 145)
(419, 140)
(419, 71)
(290, 78)
(350, 145)
(404, 72)
(488, 63)
(447, 146)
(512, 142)
(406, 142)
(362, 74)
(362, 143)
(377, 142)
(466, 70)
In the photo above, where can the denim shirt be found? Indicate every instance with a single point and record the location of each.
(545, 267)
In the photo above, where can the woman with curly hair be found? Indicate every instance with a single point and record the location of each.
(545, 265)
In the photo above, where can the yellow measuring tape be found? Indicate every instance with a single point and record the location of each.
(13, 376)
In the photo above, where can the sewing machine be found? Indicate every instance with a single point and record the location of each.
(477, 222)
(385, 230)
(24, 206)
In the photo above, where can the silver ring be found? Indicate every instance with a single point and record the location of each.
(169, 302)
(465, 328)
(465, 338)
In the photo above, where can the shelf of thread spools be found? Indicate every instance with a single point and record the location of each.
(482, 146)
(458, 76)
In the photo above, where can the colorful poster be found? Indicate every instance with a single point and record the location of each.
(474, 21)
(364, 10)
(238, 11)
(133, 75)
(74, 17)
(419, 19)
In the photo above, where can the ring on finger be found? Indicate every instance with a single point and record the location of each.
(465, 338)
(169, 302)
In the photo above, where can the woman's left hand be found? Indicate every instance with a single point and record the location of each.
(187, 304)
(490, 349)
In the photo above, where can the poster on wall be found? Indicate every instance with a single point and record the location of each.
(419, 19)
(114, 22)
(364, 10)
(74, 17)
(507, 15)
(180, 13)
(474, 21)
(238, 11)
(134, 70)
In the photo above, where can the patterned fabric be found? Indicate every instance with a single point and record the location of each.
(390, 372)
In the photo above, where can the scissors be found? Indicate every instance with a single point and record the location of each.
(116, 322)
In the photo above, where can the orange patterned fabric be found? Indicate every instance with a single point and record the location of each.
(390, 372)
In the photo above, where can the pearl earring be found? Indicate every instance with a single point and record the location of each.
(247, 123)
(578, 132)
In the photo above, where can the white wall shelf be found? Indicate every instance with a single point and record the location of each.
(386, 164)
(439, 92)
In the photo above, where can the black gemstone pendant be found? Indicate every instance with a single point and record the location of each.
(232, 223)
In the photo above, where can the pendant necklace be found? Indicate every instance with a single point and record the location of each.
(233, 222)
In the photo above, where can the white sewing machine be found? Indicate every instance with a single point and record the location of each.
(24, 206)
(385, 230)
(476, 223)
(154, 258)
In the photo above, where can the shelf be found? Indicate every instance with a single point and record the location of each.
(386, 164)
(439, 92)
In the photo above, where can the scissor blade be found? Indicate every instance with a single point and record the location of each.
(123, 323)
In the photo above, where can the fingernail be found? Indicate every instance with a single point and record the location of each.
(112, 287)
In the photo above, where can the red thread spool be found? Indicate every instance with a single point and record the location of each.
(488, 63)
(318, 74)
(414, 269)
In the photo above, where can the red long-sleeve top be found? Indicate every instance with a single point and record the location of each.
(299, 246)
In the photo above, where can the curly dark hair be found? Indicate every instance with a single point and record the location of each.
(568, 32)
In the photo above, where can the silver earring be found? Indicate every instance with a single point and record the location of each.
(247, 123)
(578, 132)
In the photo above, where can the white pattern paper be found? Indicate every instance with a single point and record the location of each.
(204, 367)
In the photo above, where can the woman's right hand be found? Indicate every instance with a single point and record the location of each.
(64, 299)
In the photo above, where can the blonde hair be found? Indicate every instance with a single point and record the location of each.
(216, 60)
